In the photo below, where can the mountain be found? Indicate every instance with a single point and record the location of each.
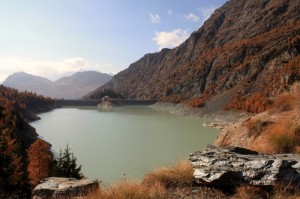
(245, 54)
(73, 87)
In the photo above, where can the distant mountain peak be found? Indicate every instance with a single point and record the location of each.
(71, 87)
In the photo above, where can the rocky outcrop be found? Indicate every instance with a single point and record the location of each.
(235, 166)
(244, 48)
(254, 132)
(54, 187)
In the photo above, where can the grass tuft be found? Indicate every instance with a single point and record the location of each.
(250, 192)
(286, 102)
(284, 137)
(181, 175)
(285, 191)
(213, 193)
(256, 126)
(130, 190)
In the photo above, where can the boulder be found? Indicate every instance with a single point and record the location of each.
(235, 166)
(55, 187)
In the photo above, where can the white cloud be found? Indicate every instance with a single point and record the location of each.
(155, 18)
(54, 70)
(170, 12)
(206, 12)
(170, 39)
(50, 70)
(192, 17)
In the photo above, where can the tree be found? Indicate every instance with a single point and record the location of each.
(67, 166)
(12, 160)
(40, 158)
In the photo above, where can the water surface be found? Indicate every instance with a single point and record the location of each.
(130, 140)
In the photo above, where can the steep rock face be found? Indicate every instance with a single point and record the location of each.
(249, 47)
(237, 166)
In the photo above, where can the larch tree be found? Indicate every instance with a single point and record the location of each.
(12, 163)
(40, 159)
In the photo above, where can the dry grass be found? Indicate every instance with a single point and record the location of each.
(250, 192)
(256, 126)
(284, 191)
(279, 191)
(181, 175)
(153, 188)
(284, 138)
(206, 193)
(130, 190)
(125, 190)
(154, 185)
(286, 102)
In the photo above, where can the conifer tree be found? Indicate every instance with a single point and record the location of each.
(40, 159)
(67, 166)
(12, 160)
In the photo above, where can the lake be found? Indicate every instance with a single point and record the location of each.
(126, 142)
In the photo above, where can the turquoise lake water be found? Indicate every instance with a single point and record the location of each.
(127, 141)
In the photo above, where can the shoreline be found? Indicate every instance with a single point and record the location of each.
(221, 118)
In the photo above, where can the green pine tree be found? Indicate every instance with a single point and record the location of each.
(67, 165)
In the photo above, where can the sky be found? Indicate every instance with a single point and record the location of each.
(56, 38)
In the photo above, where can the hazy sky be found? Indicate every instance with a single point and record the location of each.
(53, 38)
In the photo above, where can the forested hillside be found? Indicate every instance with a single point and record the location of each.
(16, 136)
(247, 50)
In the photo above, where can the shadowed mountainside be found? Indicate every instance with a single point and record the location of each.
(72, 87)
(246, 49)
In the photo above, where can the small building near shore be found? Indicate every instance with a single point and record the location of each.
(105, 99)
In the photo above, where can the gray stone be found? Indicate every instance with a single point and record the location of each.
(52, 188)
(236, 166)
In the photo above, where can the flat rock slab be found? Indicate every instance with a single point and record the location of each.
(235, 166)
(64, 188)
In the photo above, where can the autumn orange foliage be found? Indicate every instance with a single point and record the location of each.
(286, 102)
(15, 137)
(255, 103)
(180, 175)
(9, 145)
(40, 159)
(197, 103)
(284, 137)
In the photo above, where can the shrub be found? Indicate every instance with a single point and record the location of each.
(256, 126)
(197, 103)
(254, 103)
(285, 102)
(284, 138)
(181, 175)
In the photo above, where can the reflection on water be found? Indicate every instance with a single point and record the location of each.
(130, 140)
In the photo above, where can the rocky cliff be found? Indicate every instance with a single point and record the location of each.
(246, 49)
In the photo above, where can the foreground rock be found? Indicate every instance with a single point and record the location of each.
(64, 188)
(236, 166)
